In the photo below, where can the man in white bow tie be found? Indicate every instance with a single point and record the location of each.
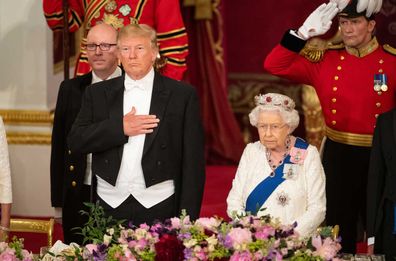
(145, 133)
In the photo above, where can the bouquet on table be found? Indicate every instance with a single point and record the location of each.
(245, 238)
(13, 251)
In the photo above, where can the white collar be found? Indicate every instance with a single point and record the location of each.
(142, 83)
(117, 72)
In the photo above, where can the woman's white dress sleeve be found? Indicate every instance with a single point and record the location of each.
(5, 173)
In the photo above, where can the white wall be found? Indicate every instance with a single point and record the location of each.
(27, 82)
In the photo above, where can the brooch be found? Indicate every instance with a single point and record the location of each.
(297, 155)
(283, 199)
(290, 171)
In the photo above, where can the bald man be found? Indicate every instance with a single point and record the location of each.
(71, 173)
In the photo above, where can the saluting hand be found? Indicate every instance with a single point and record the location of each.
(319, 21)
(138, 124)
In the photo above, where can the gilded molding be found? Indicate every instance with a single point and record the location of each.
(28, 138)
(28, 117)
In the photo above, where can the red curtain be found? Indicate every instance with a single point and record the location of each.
(206, 71)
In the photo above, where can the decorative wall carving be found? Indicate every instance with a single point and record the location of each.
(244, 86)
(27, 125)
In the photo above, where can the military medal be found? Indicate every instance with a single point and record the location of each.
(380, 83)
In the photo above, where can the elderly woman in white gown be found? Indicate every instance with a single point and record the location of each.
(279, 175)
(5, 184)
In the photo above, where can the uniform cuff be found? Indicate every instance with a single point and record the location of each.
(292, 42)
(370, 241)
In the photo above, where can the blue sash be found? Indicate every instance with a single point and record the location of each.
(266, 187)
(394, 219)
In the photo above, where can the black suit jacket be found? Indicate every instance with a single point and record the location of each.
(67, 169)
(175, 149)
(382, 171)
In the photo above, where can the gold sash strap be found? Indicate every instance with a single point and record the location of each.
(363, 140)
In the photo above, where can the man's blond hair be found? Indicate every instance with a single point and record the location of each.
(138, 30)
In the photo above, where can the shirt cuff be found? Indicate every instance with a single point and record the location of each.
(370, 241)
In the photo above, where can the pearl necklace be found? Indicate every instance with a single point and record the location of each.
(272, 164)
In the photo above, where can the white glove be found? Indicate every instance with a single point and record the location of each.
(319, 21)
(371, 6)
(341, 4)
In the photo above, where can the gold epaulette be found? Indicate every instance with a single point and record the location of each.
(315, 49)
(389, 49)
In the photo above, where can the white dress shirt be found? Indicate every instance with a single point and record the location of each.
(5, 173)
(304, 193)
(130, 180)
(95, 79)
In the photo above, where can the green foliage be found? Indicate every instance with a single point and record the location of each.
(17, 245)
(304, 256)
(98, 225)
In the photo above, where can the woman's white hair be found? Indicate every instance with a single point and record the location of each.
(278, 103)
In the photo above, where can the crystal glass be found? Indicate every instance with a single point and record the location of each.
(362, 257)
(347, 256)
(377, 257)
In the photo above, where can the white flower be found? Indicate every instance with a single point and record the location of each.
(189, 243)
(106, 239)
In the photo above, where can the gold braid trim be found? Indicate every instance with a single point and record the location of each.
(363, 140)
(389, 49)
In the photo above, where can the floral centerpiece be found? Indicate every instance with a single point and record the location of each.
(245, 238)
(13, 251)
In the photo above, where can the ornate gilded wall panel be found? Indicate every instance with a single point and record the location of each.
(243, 87)
(28, 126)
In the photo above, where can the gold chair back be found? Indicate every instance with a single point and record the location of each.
(33, 226)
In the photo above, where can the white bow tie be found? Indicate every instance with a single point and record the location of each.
(130, 85)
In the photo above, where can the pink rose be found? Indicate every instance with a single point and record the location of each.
(240, 236)
(297, 155)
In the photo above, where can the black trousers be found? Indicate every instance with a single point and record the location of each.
(346, 169)
(71, 216)
(135, 213)
(385, 240)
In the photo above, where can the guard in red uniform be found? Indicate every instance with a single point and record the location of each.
(163, 15)
(355, 82)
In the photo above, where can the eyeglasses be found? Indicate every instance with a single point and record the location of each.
(102, 46)
(272, 127)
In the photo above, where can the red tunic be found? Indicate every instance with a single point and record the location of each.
(163, 15)
(344, 84)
